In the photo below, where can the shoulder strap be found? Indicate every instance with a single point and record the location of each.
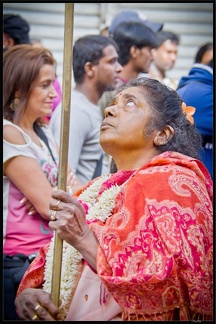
(98, 168)
(38, 130)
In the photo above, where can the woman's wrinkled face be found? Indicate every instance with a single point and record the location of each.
(126, 122)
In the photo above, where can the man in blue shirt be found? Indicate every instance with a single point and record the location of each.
(196, 89)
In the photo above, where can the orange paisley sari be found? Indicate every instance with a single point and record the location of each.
(155, 252)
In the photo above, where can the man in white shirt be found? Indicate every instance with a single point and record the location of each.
(164, 58)
(95, 69)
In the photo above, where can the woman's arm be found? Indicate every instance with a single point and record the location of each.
(28, 177)
(20, 166)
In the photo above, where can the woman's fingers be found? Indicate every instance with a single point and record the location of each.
(23, 200)
(35, 304)
(61, 195)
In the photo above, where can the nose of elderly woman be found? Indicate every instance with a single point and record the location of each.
(110, 110)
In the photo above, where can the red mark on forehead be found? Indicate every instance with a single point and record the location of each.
(120, 93)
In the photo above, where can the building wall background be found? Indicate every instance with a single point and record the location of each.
(193, 22)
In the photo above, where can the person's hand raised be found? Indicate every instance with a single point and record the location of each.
(68, 218)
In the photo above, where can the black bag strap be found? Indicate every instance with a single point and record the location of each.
(38, 130)
(98, 168)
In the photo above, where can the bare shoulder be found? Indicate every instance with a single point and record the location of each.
(13, 135)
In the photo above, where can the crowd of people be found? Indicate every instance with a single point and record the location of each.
(131, 251)
(95, 69)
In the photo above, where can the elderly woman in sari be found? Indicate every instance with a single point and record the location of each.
(137, 243)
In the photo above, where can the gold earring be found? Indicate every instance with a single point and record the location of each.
(14, 104)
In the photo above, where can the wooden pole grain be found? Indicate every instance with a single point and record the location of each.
(64, 139)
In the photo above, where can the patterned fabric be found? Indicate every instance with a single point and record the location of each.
(155, 252)
(34, 275)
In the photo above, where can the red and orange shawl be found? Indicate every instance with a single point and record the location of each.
(155, 252)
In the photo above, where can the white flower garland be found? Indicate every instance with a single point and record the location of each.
(71, 258)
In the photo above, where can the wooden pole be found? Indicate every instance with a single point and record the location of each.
(64, 139)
